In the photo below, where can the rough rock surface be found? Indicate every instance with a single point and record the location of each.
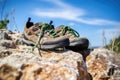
(51, 66)
(3, 35)
(9, 73)
(101, 65)
(21, 63)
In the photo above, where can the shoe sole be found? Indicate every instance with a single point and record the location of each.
(49, 45)
(79, 44)
(56, 44)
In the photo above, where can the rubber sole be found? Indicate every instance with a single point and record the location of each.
(57, 44)
(79, 44)
(49, 45)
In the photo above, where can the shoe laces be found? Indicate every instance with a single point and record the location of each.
(70, 30)
(48, 29)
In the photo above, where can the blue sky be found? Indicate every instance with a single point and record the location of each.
(89, 17)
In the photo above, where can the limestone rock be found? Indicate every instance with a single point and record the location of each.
(8, 72)
(67, 65)
(51, 72)
(100, 64)
(7, 44)
(6, 39)
(4, 53)
(3, 35)
(22, 63)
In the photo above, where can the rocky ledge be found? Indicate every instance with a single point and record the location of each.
(19, 62)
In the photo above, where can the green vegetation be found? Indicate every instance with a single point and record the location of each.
(3, 24)
(4, 21)
(114, 45)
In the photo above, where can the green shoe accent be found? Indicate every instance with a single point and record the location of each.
(76, 42)
(70, 30)
(48, 29)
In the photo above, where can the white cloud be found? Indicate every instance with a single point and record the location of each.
(97, 21)
(68, 12)
(64, 14)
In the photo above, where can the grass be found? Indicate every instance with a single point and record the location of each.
(3, 24)
(3, 21)
(114, 45)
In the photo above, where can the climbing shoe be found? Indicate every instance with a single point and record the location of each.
(43, 36)
(77, 43)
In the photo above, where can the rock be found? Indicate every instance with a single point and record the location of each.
(22, 63)
(5, 39)
(50, 72)
(100, 64)
(3, 35)
(116, 75)
(4, 53)
(15, 35)
(7, 44)
(67, 65)
(8, 72)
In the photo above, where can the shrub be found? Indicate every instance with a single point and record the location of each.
(4, 21)
(114, 45)
(3, 24)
